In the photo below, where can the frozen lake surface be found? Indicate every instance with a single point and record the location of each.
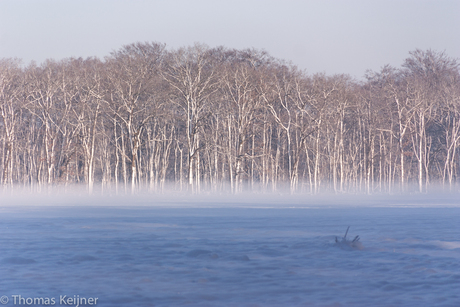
(231, 256)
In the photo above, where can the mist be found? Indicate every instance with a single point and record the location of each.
(79, 196)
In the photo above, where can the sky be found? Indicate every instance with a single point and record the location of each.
(319, 36)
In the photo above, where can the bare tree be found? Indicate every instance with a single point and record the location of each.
(10, 104)
(215, 117)
(192, 77)
(133, 73)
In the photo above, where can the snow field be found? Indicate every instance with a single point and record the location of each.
(160, 256)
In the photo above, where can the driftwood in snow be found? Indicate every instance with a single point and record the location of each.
(355, 244)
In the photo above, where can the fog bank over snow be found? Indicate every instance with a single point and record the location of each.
(78, 196)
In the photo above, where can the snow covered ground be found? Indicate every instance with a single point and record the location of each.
(210, 252)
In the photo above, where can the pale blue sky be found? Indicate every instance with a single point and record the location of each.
(346, 36)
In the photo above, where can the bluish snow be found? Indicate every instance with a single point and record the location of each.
(231, 256)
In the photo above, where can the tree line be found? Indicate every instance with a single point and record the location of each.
(218, 119)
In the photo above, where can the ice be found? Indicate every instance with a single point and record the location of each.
(210, 252)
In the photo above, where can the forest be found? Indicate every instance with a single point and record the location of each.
(196, 119)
